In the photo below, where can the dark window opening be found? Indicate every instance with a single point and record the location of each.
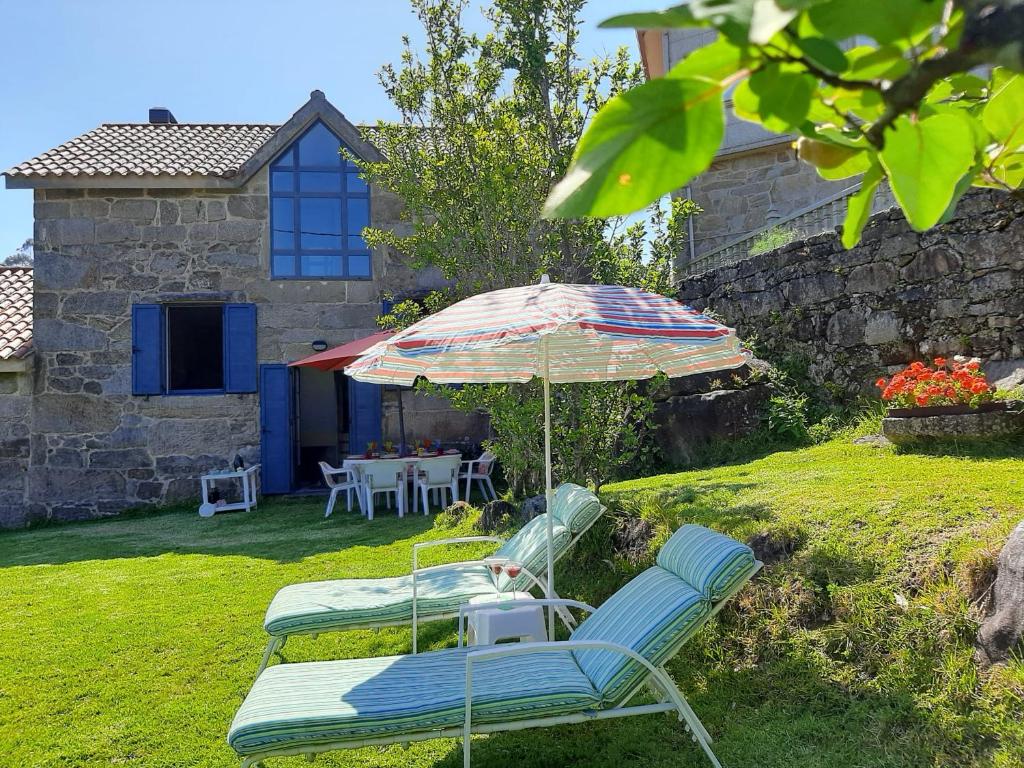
(195, 348)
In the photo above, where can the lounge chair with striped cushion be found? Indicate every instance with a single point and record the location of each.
(436, 592)
(320, 706)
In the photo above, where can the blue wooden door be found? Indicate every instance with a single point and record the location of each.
(364, 414)
(276, 428)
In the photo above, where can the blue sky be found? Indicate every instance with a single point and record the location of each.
(69, 66)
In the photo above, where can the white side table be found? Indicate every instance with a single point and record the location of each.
(522, 622)
(249, 493)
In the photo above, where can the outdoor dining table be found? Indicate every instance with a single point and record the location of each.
(355, 462)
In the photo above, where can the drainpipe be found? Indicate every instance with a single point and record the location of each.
(689, 227)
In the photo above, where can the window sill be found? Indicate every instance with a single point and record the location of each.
(193, 392)
(325, 279)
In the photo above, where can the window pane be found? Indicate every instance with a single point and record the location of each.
(283, 222)
(321, 266)
(311, 181)
(195, 347)
(356, 243)
(285, 160)
(358, 215)
(282, 181)
(319, 147)
(359, 265)
(356, 184)
(284, 265)
(319, 223)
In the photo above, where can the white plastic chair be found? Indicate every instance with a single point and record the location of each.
(349, 484)
(384, 477)
(440, 475)
(479, 470)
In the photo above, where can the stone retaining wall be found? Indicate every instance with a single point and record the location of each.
(898, 296)
(15, 410)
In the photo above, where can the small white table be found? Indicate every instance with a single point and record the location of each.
(489, 625)
(249, 492)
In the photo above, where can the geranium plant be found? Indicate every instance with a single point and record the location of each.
(957, 382)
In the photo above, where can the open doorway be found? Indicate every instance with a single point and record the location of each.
(322, 424)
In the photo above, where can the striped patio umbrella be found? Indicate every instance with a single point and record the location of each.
(558, 333)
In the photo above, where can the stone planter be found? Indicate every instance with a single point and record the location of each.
(954, 422)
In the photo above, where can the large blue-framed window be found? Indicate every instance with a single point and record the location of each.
(318, 209)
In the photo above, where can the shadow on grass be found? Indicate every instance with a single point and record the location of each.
(1007, 448)
(780, 714)
(281, 529)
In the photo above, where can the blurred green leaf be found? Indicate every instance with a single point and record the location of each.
(858, 207)
(643, 144)
(1004, 114)
(924, 160)
(677, 16)
(885, 21)
(783, 99)
(715, 61)
(823, 53)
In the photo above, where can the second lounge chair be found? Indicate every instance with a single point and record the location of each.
(317, 607)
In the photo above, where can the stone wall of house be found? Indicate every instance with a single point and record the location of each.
(97, 449)
(898, 296)
(15, 413)
(742, 193)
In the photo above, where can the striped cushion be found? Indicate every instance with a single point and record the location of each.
(575, 507)
(654, 615)
(710, 562)
(529, 546)
(301, 705)
(321, 606)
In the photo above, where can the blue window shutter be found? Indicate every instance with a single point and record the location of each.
(364, 413)
(276, 428)
(147, 349)
(240, 347)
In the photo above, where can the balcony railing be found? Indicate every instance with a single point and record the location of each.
(824, 216)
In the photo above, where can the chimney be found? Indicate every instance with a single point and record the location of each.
(161, 116)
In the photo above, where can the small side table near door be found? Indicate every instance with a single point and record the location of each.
(248, 477)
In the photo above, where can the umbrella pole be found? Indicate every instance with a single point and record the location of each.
(401, 424)
(548, 493)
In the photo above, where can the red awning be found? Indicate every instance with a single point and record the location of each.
(336, 358)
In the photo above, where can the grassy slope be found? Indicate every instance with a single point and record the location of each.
(133, 641)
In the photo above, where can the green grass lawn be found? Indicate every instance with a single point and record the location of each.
(133, 641)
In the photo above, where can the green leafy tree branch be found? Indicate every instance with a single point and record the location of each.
(926, 95)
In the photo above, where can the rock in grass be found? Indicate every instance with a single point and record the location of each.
(1004, 626)
(496, 515)
(533, 506)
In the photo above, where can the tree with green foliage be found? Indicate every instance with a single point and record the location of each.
(487, 123)
(889, 90)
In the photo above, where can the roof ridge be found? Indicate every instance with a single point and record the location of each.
(181, 125)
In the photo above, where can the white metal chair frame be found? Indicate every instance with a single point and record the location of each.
(384, 469)
(352, 484)
(425, 480)
(669, 697)
(277, 642)
(483, 478)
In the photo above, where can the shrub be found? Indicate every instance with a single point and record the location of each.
(773, 238)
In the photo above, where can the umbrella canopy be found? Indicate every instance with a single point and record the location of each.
(559, 333)
(336, 358)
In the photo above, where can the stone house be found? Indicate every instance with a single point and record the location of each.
(756, 181)
(179, 267)
(15, 383)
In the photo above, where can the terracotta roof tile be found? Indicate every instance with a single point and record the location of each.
(15, 312)
(141, 149)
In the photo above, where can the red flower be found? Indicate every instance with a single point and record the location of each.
(922, 399)
(973, 365)
(950, 392)
(881, 383)
(979, 388)
(940, 362)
